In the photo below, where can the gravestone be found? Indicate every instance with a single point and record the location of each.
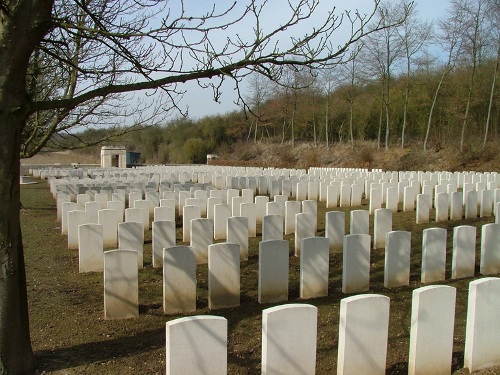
(490, 249)
(144, 206)
(109, 221)
(272, 227)
(433, 255)
(291, 209)
(471, 205)
(314, 267)
(486, 203)
(75, 219)
(273, 271)
(432, 325)
(456, 206)
(90, 248)
(207, 354)
(223, 276)
(304, 227)
(121, 286)
(360, 222)
(237, 233)
(363, 335)
(201, 237)
(382, 224)
(483, 324)
(249, 210)
(356, 263)
(179, 280)
(131, 237)
(423, 208)
(189, 213)
(137, 215)
(335, 230)
(211, 202)
(261, 206)
(163, 213)
(441, 207)
(92, 209)
(289, 335)
(464, 251)
(345, 195)
(332, 196)
(65, 208)
(163, 236)
(391, 200)
(375, 200)
(221, 213)
(397, 259)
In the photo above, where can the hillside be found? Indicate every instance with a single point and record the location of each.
(339, 155)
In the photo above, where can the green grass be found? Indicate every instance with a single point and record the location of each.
(70, 336)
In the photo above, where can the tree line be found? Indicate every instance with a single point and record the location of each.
(434, 84)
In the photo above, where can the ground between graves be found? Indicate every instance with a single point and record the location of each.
(70, 336)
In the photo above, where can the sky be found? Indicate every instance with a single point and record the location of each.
(199, 101)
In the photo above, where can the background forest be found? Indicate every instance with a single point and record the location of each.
(419, 84)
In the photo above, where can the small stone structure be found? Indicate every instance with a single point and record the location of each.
(113, 156)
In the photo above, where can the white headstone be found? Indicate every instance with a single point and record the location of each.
(289, 335)
(109, 221)
(189, 213)
(335, 230)
(464, 251)
(483, 324)
(490, 249)
(433, 255)
(314, 267)
(382, 224)
(237, 232)
(221, 213)
(90, 248)
(356, 263)
(121, 285)
(397, 259)
(163, 235)
(273, 271)
(360, 222)
(75, 219)
(432, 325)
(131, 237)
(304, 227)
(272, 227)
(179, 280)
(207, 354)
(363, 334)
(223, 276)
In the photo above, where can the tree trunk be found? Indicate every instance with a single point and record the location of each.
(434, 100)
(20, 33)
(16, 354)
(492, 93)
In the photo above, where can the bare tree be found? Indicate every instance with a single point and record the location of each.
(493, 18)
(105, 49)
(259, 92)
(469, 17)
(448, 39)
(414, 34)
(384, 48)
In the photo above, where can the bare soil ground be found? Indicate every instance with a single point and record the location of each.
(70, 336)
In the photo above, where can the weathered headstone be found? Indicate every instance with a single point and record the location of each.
(335, 230)
(382, 224)
(90, 248)
(237, 233)
(272, 227)
(131, 237)
(490, 249)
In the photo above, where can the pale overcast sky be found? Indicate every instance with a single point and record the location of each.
(201, 103)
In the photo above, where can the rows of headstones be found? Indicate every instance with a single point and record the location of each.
(221, 204)
(289, 335)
